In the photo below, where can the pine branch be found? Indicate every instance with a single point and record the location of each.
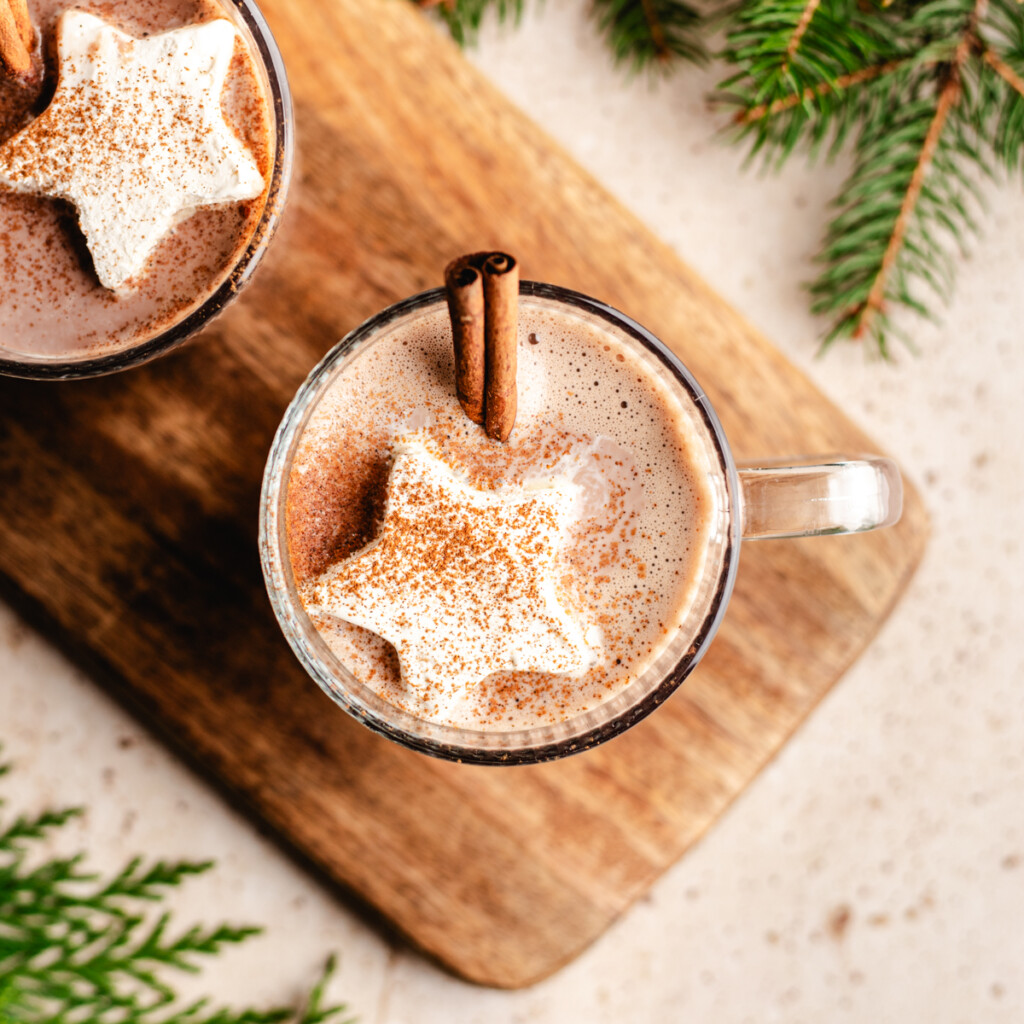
(645, 33)
(924, 93)
(464, 17)
(863, 316)
(916, 89)
(1009, 131)
(906, 203)
(810, 8)
(813, 93)
(1002, 35)
(798, 66)
(75, 950)
(1004, 71)
(132, 882)
(641, 33)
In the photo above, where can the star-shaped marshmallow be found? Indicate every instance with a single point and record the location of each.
(461, 581)
(134, 137)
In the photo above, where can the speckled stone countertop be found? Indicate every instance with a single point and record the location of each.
(875, 871)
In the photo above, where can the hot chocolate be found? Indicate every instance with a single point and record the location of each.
(597, 423)
(53, 304)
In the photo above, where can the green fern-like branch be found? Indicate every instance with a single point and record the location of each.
(464, 17)
(921, 95)
(315, 1012)
(806, 69)
(651, 32)
(927, 96)
(1002, 35)
(23, 830)
(75, 948)
(640, 33)
(908, 203)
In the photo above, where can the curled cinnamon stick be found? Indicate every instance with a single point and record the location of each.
(483, 301)
(464, 283)
(501, 314)
(19, 8)
(17, 38)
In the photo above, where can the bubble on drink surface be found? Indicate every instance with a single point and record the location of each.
(531, 377)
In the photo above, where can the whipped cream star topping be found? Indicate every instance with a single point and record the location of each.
(134, 137)
(461, 581)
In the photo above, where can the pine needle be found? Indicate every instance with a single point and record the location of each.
(651, 33)
(464, 17)
(1003, 40)
(928, 96)
(807, 73)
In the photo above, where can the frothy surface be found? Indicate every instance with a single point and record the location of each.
(52, 303)
(134, 137)
(590, 410)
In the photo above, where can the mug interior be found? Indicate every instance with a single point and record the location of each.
(249, 20)
(539, 743)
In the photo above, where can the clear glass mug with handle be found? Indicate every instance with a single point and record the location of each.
(191, 319)
(799, 497)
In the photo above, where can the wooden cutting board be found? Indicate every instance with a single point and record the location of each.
(128, 510)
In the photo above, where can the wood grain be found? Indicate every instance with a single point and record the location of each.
(129, 505)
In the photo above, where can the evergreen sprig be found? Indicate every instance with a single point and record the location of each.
(76, 948)
(926, 102)
(464, 17)
(806, 72)
(927, 95)
(640, 33)
(651, 32)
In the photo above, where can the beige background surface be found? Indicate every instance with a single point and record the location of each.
(875, 871)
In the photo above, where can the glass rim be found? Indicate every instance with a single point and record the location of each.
(240, 273)
(519, 746)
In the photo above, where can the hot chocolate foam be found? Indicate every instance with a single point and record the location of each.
(134, 137)
(591, 411)
(52, 304)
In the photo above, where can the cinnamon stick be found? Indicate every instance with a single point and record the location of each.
(16, 38)
(19, 8)
(483, 302)
(464, 283)
(501, 336)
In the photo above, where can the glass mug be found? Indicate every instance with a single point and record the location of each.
(248, 19)
(788, 498)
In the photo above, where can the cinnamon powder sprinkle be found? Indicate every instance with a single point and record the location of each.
(462, 581)
(51, 302)
(630, 556)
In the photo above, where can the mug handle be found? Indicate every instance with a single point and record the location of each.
(820, 494)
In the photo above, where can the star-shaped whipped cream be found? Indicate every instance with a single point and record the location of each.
(134, 137)
(461, 581)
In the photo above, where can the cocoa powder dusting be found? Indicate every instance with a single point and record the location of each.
(52, 304)
(631, 560)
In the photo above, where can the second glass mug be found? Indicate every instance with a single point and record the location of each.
(248, 20)
(784, 498)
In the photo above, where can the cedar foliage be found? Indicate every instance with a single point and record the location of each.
(77, 948)
(927, 96)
